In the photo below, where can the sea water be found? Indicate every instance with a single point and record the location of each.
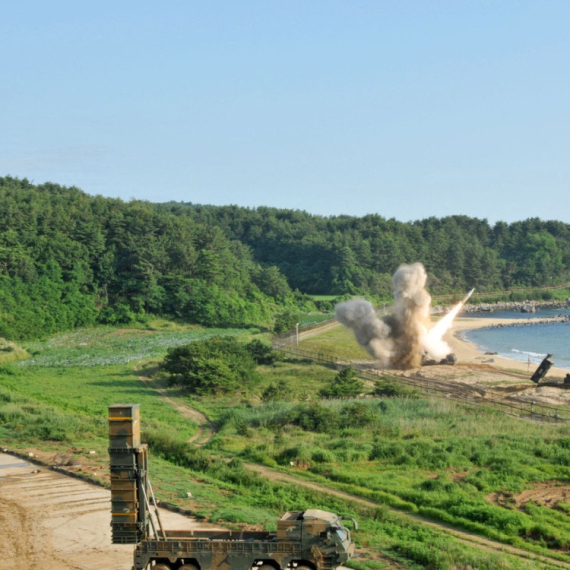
(522, 342)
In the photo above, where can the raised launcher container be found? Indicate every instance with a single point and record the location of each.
(128, 462)
(124, 426)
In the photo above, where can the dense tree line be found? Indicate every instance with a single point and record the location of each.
(345, 254)
(69, 259)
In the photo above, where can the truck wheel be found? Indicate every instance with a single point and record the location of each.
(265, 567)
(303, 567)
(160, 567)
(188, 567)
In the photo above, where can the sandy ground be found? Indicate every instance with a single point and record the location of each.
(54, 522)
(491, 374)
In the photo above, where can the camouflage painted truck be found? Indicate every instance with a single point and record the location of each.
(305, 540)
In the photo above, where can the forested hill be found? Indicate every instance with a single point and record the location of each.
(345, 254)
(68, 259)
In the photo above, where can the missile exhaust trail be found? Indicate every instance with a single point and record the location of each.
(464, 300)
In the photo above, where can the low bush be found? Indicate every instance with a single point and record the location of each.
(262, 353)
(322, 456)
(28, 420)
(278, 391)
(346, 384)
(286, 321)
(389, 387)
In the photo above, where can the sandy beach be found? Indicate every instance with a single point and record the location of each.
(467, 352)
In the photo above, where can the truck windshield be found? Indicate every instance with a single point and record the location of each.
(342, 535)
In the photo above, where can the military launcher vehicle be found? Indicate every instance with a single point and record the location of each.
(305, 540)
(542, 369)
(450, 359)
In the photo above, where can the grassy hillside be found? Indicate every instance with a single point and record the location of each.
(10, 352)
(428, 457)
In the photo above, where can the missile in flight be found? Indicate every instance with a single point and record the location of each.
(464, 300)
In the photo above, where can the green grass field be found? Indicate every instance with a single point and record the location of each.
(106, 346)
(339, 341)
(313, 318)
(427, 456)
(434, 458)
(72, 378)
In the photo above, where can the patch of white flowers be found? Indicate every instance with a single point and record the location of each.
(104, 348)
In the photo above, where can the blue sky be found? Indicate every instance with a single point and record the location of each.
(407, 109)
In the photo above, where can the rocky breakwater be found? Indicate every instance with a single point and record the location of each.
(516, 306)
(533, 322)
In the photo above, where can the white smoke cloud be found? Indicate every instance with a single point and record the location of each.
(402, 339)
(371, 332)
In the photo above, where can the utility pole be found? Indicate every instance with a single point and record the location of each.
(297, 331)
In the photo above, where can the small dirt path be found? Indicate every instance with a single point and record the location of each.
(206, 429)
(292, 338)
(318, 330)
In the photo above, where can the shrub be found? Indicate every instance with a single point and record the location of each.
(178, 452)
(358, 415)
(298, 454)
(286, 321)
(276, 392)
(260, 352)
(118, 314)
(346, 384)
(389, 388)
(28, 420)
(322, 456)
(11, 413)
(314, 418)
(387, 451)
(217, 365)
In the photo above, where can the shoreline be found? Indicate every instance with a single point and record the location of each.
(470, 353)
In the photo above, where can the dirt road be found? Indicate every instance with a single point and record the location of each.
(206, 428)
(54, 522)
